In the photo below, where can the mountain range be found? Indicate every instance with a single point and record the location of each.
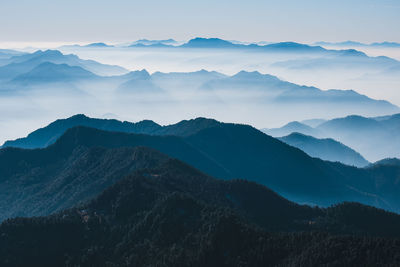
(258, 92)
(326, 149)
(358, 44)
(222, 150)
(20, 64)
(356, 132)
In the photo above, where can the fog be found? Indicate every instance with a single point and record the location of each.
(376, 80)
(169, 98)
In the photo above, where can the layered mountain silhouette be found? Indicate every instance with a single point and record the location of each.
(326, 149)
(174, 215)
(356, 132)
(139, 82)
(49, 72)
(292, 127)
(48, 135)
(259, 91)
(222, 150)
(358, 44)
(21, 64)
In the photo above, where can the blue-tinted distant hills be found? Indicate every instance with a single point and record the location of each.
(6, 54)
(49, 72)
(375, 138)
(254, 87)
(358, 44)
(100, 45)
(292, 127)
(326, 149)
(341, 60)
(216, 43)
(139, 82)
(23, 63)
(210, 43)
(152, 43)
(269, 88)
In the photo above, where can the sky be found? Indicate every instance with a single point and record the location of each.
(307, 21)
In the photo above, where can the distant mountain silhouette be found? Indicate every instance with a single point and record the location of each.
(139, 82)
(185, 80)
(209, 43)
(236, 151)
(292, 127)
(98, 45)
(6, 54)
(340, 59)
(261, 91)
(313, 122)
(48, 72)
(173, 215)
(269, 89)
(20, 64)
(282, 47)
(358, 44)
(355, 131)
(326, 149)
(153, 43)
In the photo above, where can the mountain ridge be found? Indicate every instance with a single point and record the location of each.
(239, 151)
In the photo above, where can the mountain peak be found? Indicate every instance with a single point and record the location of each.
(188, 127)
(199, 42)
(48, 52)
(51, 72)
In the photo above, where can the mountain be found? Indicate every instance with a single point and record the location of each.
(81, 164)
(48, 135)
(387, 162)
(345, 44)
(292, 46)
(173, 215)
(250, 92)
(20, 64)
(62, 179)
(268, 89)
(239, 151)
(355, 131)
(313, 122)
(292, 127)
(188, 81)
(139, 82)
(326, 149)
(152, 43)
(187, 128)
(101, 45)
(339, 60)
(209, 43)
(275, 47)
(49, 72)
(6, 54)
(358, 44)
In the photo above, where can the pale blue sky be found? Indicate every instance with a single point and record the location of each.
(250, 20)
